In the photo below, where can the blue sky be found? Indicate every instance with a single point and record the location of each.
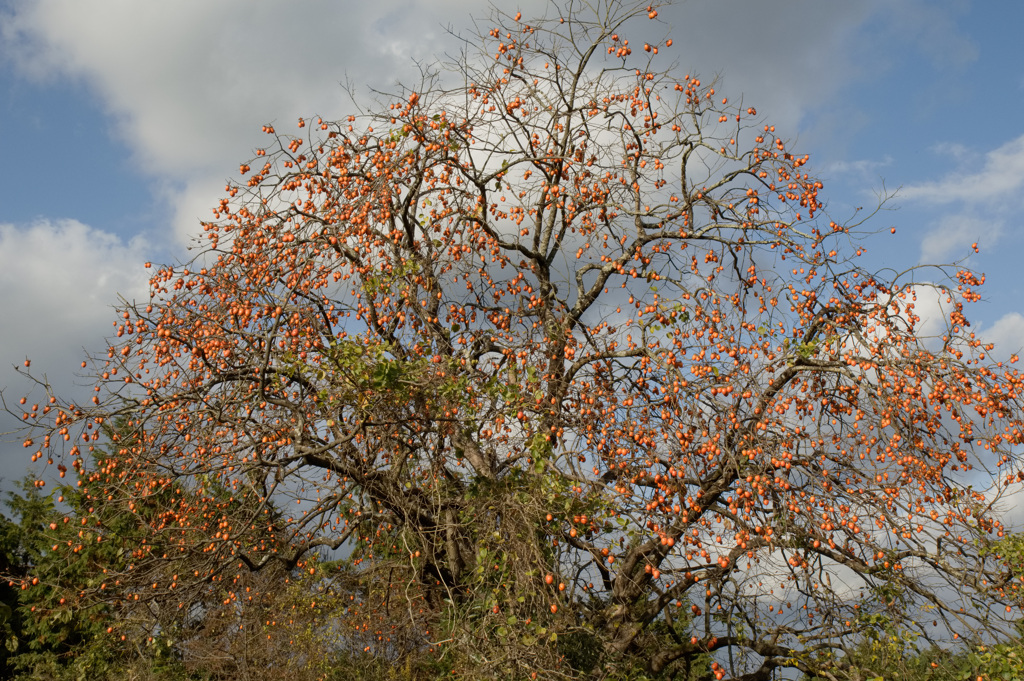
(120, 120)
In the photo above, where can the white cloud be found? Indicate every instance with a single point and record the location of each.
(952, 235)
(60, 280)
(999, 181)
(1007, 333)
(862, 169)
(951, 149)
(984, 190)
(189, 84)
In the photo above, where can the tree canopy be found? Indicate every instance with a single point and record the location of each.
(563, 356)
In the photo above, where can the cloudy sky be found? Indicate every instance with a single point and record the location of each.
(121, 119)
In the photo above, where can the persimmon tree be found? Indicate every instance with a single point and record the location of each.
(561, 350)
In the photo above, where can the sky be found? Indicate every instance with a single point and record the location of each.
(121, 120)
